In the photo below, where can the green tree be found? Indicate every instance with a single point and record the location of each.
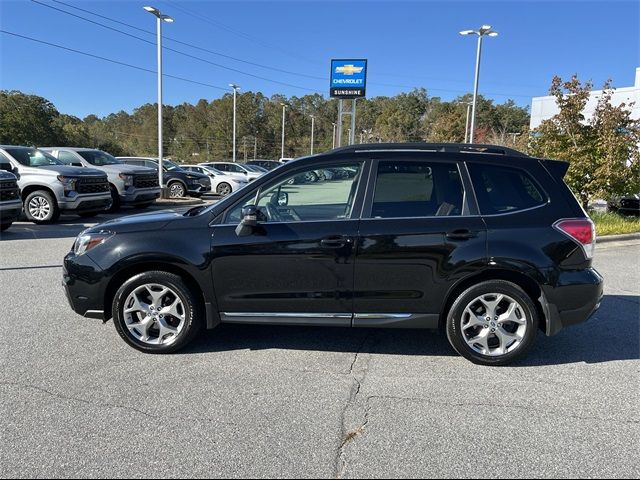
(603, 151)
(28, 120)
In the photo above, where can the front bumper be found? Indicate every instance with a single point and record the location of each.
(10, 211)
(136, 196)
(86, 203)
(575, 296)
(84, 285)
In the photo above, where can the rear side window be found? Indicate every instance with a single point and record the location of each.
(417, 189)
(504, 190)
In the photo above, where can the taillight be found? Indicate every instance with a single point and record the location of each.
(581, 230)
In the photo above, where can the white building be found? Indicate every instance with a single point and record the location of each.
(543, 108)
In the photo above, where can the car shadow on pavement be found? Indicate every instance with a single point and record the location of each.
(611, 334)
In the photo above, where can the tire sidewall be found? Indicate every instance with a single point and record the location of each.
(188, 298)
(53, 212)
(455, 334)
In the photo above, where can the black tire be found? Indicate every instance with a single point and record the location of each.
(223, 189)
(5, 226)
(176, 189)
(88, 214)
(193, 311)
(455, 320)
(41, 197)
(115, 199)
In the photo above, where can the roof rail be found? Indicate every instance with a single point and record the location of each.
(435, 147)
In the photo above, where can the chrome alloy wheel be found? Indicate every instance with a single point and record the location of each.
(39, 207)
(176, 190)
(494, 324)
(154, 314)
(223, 189)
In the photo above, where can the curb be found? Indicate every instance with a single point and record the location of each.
(618, 238)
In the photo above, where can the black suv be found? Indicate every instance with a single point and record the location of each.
(177, 181)
(485, 242)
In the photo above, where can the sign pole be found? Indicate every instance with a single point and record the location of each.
(339, 133)
(352, 140)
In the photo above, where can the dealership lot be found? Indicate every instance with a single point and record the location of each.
(307, 402)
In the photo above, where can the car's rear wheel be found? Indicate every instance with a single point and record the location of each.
(176, 190)
(156, 312)
(41, 207)
(223, 189)
(492, 323)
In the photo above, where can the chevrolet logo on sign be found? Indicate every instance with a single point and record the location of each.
(349, 69)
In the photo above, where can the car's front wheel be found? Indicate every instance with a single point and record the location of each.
(492, 323)
(223, 189)
(41, 207)
(177, 190)
(156, 312)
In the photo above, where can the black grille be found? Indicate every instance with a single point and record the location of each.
(145, 181)
(92, 185)
(9, 190)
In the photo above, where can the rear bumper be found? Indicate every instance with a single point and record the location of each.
(573, 299)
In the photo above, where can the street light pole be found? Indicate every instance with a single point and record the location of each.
(334, 135)
(160, 18)
(284, 108)
(235, 91)
(313, 118)
(484, 30)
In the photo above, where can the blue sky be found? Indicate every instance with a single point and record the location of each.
(408, 44)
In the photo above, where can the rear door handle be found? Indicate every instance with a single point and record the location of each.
(461, 234)
(334, 241)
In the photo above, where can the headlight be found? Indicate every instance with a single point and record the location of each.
(68, 182)
(127, 178)
(87, 241)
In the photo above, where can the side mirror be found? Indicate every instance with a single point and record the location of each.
(249, 221)
(283, 199)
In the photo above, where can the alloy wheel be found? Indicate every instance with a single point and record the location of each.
(494, 324)
(176, 190)
(223, 189)
(154, 314)
(39, 207)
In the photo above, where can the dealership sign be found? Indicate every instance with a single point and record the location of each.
(348, 78)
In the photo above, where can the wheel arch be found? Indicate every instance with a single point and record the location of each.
(528, 284)
(29, 189)
(129, 271)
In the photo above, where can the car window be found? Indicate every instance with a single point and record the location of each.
(229, 167)
(417, 189)
(67, 158)
(504, 189)
(31, 157)
(321, 193)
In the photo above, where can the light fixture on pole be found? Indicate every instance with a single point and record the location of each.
(485, 30)
(235, 91)
(313, 118)
(160, 18)
(284, 108)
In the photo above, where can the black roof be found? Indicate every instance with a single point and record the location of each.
(432, 147)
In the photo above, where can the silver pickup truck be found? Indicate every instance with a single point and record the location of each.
(49, 187)
(129, 185)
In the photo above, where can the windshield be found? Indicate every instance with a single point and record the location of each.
(98, 158)
(31, 157)
(212, 170)
(253, 168)
(169, 165)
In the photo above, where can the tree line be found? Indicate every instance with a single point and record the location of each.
(603, 151)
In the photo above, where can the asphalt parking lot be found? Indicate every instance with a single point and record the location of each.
(307, 402)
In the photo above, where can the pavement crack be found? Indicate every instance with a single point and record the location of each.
(349, 430)
(77, 399)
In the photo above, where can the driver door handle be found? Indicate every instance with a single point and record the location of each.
(335, 241)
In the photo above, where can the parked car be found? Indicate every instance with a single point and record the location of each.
(48, 187)
(481, 241)
(177, 181)
(235, 168)
(220, 183)
(130, 185)
(625, 205)
(10, 201)
(266, 164)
